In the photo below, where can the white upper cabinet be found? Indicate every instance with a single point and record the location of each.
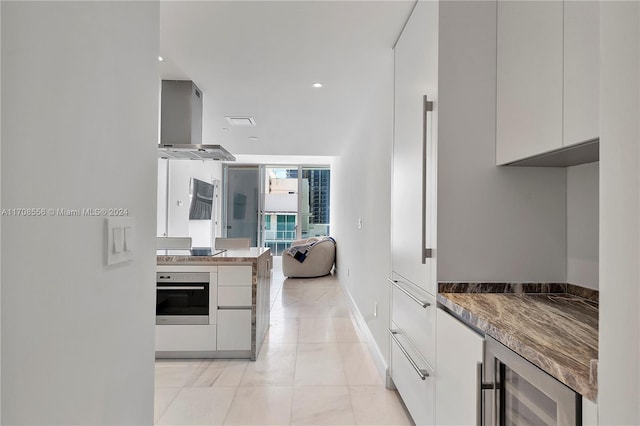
(547, 80)
(581, 71)
(414, 162)
(529, 79)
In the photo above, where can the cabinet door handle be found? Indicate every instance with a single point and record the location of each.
(480, 387)
(421, 372)
(427, 106)
(411, 296)
(479, 399)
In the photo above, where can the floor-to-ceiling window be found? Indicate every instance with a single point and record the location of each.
(281, 202)
(315, 207)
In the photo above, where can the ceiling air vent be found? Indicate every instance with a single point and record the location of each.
(241, 121)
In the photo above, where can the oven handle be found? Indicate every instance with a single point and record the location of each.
(181, 287)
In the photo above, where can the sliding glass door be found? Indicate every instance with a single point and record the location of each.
(243, 203)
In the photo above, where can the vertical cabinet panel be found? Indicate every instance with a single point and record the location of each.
(416, 75)
(581, 71)
(459, 349)
(529, 79)
(234, 330)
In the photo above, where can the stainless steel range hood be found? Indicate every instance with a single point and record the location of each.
(181, 124)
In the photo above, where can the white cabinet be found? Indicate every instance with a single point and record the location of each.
(589, 413)
(413, 378)
(414, 316)
(235, 298)
(548, 62)
(413, 211)
(581, 71)
(529, 79)
(413, 186)
(181, 338)
(234, 330)
(459, 350)
(234, 275)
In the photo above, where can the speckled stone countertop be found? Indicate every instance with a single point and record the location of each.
(556, 331)
(172, 257)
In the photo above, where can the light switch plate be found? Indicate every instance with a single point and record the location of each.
(120, 239)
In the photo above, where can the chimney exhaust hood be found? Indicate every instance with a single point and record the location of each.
(181, 124)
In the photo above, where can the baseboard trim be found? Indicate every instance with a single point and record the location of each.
(374, 349)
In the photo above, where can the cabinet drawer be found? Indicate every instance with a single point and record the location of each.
(234, 329)
(234, 275)
(417, 323)
(417, 394)
(234, 295)
(185, 337)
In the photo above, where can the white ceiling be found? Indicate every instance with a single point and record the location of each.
(259, 58)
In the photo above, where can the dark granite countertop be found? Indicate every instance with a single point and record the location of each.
(558, 332)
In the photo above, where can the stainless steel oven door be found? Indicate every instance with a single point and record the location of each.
(182, 298)
(522, 394)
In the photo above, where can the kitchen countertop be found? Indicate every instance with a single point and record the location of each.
(171, 257)
(558, 332)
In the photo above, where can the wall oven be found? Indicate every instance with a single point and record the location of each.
(516, 392)
(182, 297)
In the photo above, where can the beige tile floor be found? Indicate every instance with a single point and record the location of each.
(314, 369)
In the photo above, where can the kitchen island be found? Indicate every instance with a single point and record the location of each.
(238, 288)
(553, 326)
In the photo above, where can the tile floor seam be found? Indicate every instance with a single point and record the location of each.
(167, 406)
(233, 398)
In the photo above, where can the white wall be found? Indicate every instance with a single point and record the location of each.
(360, 188)
(582, 225)
(0, 219)
(619, 355)
(79, 114)
(494, 223)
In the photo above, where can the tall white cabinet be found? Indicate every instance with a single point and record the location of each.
(414, 148)
(413, 283)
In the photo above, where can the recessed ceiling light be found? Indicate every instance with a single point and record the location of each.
(254, 138)
(225, 129)
(317, 85)
(240, 121)
(160, 58)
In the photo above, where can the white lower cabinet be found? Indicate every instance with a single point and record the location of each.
(459, 350)
(182, 338)
(413, 378)
(589, 413)
(414, 315)
(234, 330)
(413, 352)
